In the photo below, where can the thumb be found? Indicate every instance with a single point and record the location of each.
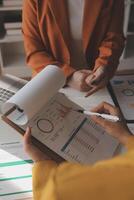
(99, 75)
(27, 139)
(35, 154)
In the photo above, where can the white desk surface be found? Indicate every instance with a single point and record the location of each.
(87, 102)
(14, 136)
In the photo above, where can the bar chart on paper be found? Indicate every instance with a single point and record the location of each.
(70, 134)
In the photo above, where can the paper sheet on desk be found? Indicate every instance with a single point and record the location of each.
(131, 128)
(87, 102)
(123, 88)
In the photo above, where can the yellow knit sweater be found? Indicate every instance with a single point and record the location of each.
(106, 180)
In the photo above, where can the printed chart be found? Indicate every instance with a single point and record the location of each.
(123, 87)
(69, 133)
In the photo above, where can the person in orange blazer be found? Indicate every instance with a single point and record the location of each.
(47, 39)
(111, 179)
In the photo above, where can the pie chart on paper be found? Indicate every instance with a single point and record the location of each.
(45, 125)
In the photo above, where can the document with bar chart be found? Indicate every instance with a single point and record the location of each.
(55, 122)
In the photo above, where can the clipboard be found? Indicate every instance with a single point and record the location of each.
(54, 156)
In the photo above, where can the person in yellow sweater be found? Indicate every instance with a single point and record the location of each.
(111, 179)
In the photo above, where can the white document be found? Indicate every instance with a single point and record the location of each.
(70, 134)
(37, 92)
(87, 102)
(15, 166)
(123, 87)
(54, 121)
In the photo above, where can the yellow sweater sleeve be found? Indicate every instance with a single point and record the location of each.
(42, 172)
(108, 179)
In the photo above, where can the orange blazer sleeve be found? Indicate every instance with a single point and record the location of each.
(112, 46)
(37, 54)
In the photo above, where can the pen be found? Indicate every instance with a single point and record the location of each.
(112, 118)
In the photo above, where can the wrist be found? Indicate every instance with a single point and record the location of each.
(124, 138)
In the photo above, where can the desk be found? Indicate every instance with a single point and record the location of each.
(87, 102)
(27, 199)
(14, 171)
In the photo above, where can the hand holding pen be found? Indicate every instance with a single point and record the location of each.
(97, 80)
(119, 129)
(108, 117)
(89, 81)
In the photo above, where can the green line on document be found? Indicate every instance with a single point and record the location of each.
(14, 178)
(22, 192)
(21, 162)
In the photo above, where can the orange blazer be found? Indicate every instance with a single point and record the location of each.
(47, 36)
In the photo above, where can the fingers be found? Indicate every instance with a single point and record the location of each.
(81, 81)
(95, 88)
(111, 109)
(35, 154)
(89, 79)
(86, 71)
(106, 108)
(102, 122)
(100, 72)
(92, 90)
(99, 76)
(96, 81)
(84, 87)
(95, 77)
(27, 139)
(27, 136)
